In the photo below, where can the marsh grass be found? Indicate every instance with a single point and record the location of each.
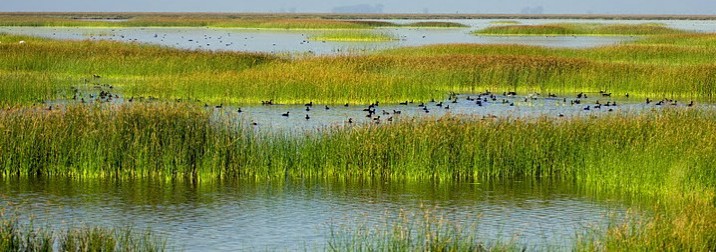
(425, 230)
(665, 158)
(199, 20)
(15, 236)
(354, 36)
(44, 69)
(579, 29)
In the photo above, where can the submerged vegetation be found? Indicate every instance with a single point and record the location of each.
(358, 36)
(15, 236)
(579, 29)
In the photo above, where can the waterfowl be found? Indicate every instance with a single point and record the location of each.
(396, 112)
(307, 117)
(691, 104)
(346, 105)
(327, 108)
(308, 108)
(310, 104)
(239, 110)
(285, 114)
(404, 103)
(350, 120)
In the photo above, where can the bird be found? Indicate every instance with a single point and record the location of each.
(327, 108)
(307, 117)
(239, 110)
(285, 114)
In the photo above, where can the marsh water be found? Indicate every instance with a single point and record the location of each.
(299, 42)
(297, 215)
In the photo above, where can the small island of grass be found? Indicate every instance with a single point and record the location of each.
(354, 36)
(579, 29)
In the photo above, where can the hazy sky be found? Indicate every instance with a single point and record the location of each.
(386, 6)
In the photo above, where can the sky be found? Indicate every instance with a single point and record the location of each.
(383, 6)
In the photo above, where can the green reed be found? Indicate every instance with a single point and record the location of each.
(662, 157)
(42, 69)
(15, 236)
(424, 230)
(352, 35)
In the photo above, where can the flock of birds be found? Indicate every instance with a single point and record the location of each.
(374, 113)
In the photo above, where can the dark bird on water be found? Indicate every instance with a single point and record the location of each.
(285, 114)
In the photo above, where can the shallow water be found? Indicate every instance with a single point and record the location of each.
(299, 119)
(295, 41)
(293, 215)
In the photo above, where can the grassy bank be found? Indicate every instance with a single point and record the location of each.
(354, 36)
(579, 29)
(672, 66)
(295, 22)
(665, 157)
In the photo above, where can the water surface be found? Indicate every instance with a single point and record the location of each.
(293, 215)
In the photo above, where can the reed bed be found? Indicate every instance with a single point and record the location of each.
(194, 20)
(42, 69)
(665, 157)
(354, 36)
(579, 29)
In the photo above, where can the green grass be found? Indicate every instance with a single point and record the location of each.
(675, 66)
(354, 36)
(579, 29)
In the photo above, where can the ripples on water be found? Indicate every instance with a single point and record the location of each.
(294, 215)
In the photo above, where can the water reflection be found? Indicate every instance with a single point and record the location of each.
(290, 214)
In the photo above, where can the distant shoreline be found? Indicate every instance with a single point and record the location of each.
(127, 15)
